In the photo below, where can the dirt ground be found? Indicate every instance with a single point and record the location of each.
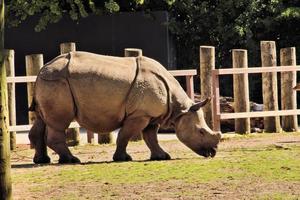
(171, 189)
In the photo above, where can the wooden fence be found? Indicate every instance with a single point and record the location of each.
(269, 72)
(34, 61)
(209, 79)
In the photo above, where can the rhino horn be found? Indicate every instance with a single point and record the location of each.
(200, 104)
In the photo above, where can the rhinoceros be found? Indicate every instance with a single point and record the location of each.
(104, 93)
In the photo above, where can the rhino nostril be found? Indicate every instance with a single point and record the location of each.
(207, 152)
(213, 152)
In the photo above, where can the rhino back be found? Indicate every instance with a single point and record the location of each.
(100, 85)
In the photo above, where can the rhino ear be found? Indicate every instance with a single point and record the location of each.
(197, 106)
(297, 87)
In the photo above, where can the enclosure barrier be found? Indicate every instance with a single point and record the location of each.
(11, 92)
(210, 86)
(240, 90)
(217, 115)
(207, 64)
(33, 64)
(288, 81)
(269, 84)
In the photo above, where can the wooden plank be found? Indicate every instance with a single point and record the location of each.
(259, 114)
(216, 123)
(27, 79)
(34, 63)
(90, 137)
(187, 72)
(190, 86)
(21, 79)
(11, 90)
(133, 52)
(269, 86)
(207, 64)
(254, 70)
(288, 94)
(241, 90)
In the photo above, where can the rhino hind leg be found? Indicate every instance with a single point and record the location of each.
(150, 138)
(130, 128)
(56, 140)
(38, 141)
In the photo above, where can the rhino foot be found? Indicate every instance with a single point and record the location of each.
(65, 160)
(122, 157)
(41, 159)
(164, 156)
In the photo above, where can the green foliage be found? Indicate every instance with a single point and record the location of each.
(52, 11)
(229, 24)
(112, 6)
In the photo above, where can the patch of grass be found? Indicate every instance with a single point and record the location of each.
(234, 136)
(269, 163)
(231, 168)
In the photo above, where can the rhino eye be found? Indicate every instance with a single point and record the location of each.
(202, 131)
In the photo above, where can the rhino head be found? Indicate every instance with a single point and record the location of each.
(192, 130)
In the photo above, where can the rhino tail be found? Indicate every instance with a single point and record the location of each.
(32, 107)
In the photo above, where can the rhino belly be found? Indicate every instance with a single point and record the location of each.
(100, 102)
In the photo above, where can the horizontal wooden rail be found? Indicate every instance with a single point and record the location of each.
(28, 79)
(254, 70)
(217, 115)
(18, 128)
(259, 114)
(21, 79)
(186, 72)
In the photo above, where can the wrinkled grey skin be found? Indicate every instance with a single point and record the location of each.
(104, 93)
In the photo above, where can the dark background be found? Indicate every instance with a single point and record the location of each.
(107, 35)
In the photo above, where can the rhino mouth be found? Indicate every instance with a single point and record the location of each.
(207, 152)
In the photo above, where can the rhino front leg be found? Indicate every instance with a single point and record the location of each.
(56, 140)
(150, 138)
(131, 127)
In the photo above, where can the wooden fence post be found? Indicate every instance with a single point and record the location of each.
(90, 137)
(10, 71)
(34, 63)
(67, 47)
(207, 64)
(72, 134)
(132, 52)
(104, 138)
(270, 95)
(288, 95)
(241, 90)
(5, 178)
